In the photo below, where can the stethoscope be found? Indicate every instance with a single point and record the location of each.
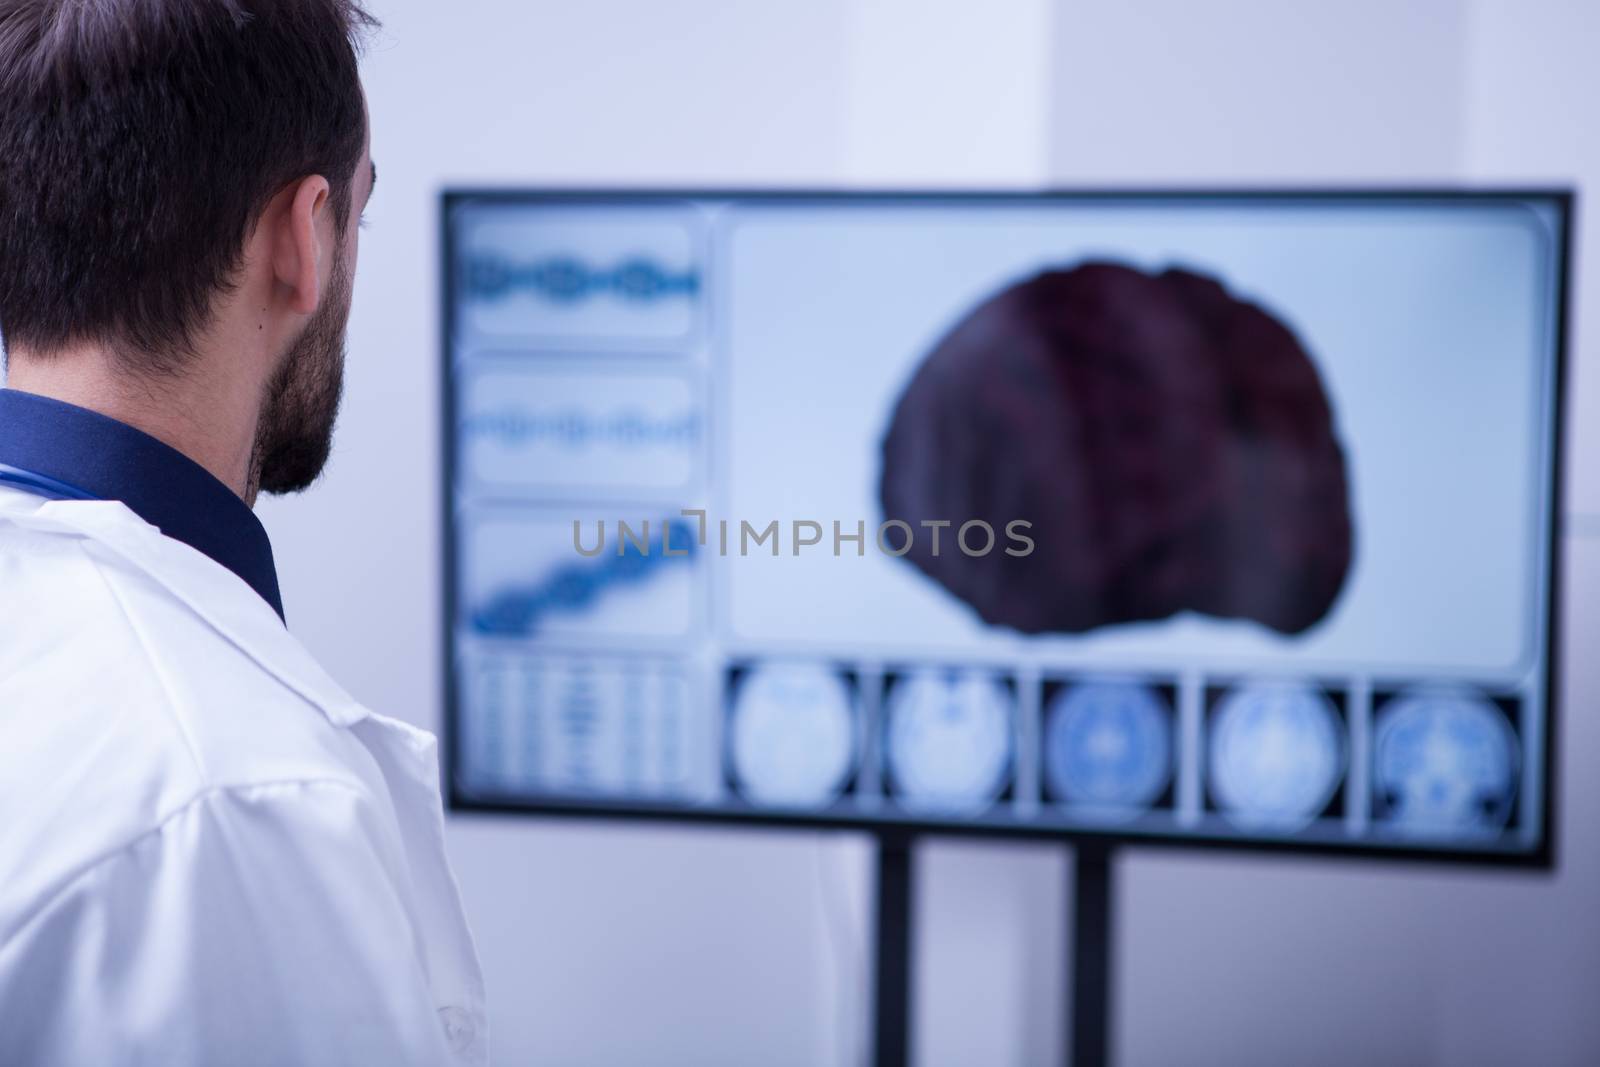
(41, 484)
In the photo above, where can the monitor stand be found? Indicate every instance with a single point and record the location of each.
(1090, 992)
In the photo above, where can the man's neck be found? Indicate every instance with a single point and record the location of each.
(198, 414)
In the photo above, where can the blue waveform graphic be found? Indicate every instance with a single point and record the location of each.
(575, 428)
(570, 280)
(574, 587)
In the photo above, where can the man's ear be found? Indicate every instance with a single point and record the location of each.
(297, 247)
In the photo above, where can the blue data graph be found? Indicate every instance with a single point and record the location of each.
(575, 587)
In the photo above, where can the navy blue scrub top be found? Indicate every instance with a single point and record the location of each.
(60, 451)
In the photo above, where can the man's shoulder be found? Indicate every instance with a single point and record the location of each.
(119, 708)
(94, 649)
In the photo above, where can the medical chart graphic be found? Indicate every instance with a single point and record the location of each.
(586, 725)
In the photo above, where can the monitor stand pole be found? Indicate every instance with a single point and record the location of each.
(1089, 1040)
(1088, 1043)
(892, 1027)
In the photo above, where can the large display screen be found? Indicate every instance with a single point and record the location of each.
(1218, 517)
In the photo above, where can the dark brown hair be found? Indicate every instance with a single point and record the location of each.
(140, 141)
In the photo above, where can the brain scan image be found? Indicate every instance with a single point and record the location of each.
(949, 738)
(1108, 747)
(1444, 764)
(1171, 444)
(1276, 755)
(793, 734)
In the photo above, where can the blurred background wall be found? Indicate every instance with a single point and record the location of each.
(610, 944)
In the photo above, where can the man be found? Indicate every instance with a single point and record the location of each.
(209, 854)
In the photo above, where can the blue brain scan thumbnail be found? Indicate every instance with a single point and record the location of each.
(793, 742)
(1108, 747)
(1445, 764)
(1277, 755)
(950, 738)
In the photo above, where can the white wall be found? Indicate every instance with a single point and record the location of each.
(622, 945)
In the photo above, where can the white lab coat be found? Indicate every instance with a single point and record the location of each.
(209, 853)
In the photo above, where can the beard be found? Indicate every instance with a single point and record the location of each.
(295, 434)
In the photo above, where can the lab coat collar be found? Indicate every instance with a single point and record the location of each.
(219, 597)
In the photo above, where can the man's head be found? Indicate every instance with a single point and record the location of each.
(178, 180)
